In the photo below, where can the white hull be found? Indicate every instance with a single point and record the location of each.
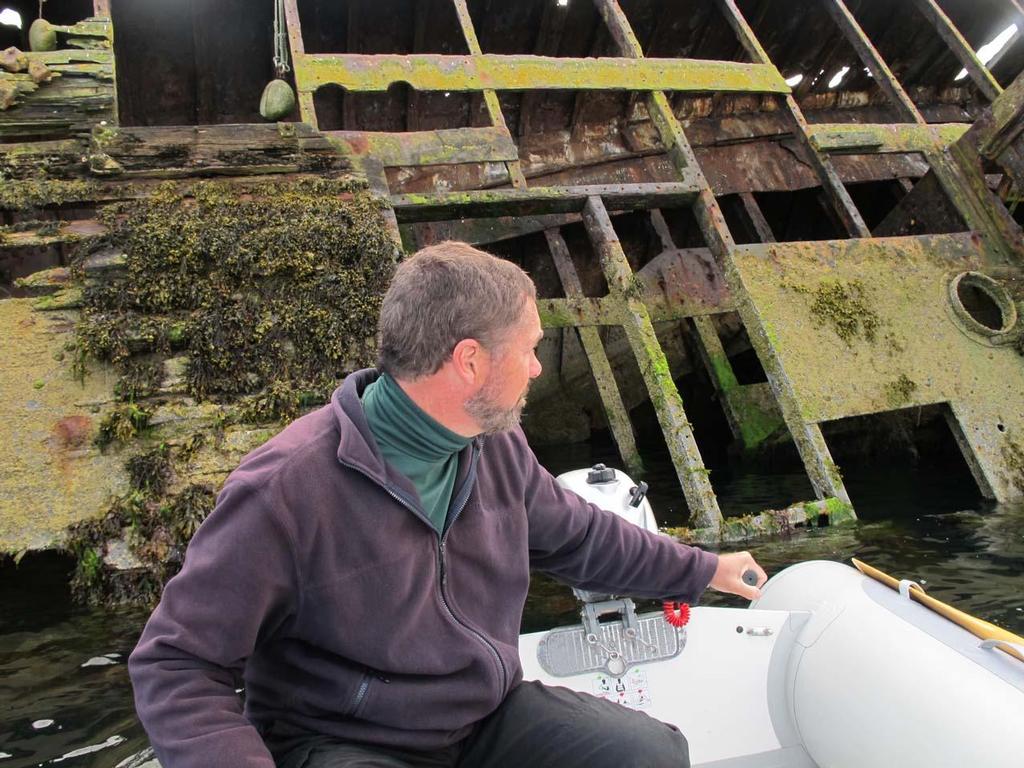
(829, 669)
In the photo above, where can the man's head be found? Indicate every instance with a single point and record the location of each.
(460, 326)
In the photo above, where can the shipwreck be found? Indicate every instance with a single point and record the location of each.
(812, 206)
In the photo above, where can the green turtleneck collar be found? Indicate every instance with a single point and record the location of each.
(415, 444)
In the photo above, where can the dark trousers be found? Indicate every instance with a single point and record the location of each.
(537, 726)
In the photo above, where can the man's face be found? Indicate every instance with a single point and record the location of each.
(498, 405)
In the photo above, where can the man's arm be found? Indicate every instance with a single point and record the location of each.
(238, 584)
(594, 549)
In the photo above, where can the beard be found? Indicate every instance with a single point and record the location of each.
(491, 417)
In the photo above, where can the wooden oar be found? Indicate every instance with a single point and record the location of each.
(976, 626)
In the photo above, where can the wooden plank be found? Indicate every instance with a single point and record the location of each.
(66, 232)
(869, 138)
(307, 110)
(490, 95)
(871, 59)
(668, 405)
(761, 225)
(579, 312)
(441, 147)
(611, 399)
(944, 26)
(428, 72)
(837, 194)
(237, 150)
(538, 200)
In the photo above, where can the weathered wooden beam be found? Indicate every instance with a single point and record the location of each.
(769, 523)
(947, 30)
(79, 94)
(482, 231)
(57, 159)
(807, 437)
(876, 138)
(750, 423)
(538, 200)
(428, 72)
(552, 23)
(995, 130)
(871, 59)
(611, 399)
(235, 150)
(579, 312)
(761, 225)
(837, 194)
(377, 179)
(961, 172)
(448, 146)
(668, 405)
(52, 233)
(94, 34)
(490, 95)
(420, 12)
(307, 108)
(101, 8)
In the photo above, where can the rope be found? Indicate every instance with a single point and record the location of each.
(41, 8)
(280, 39)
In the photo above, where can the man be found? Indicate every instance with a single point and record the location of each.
(364, 572)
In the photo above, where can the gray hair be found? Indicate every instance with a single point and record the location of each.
(441, 295)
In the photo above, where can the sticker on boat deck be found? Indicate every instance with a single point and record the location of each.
(630, 690)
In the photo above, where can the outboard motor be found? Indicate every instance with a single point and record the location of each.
(611, 646)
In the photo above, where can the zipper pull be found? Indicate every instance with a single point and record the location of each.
(444, 571)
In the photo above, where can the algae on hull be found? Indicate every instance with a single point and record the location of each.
(270, 292)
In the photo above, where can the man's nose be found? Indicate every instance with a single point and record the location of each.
(535, 368)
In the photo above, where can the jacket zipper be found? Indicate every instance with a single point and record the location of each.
(364, 685)
(443, 574)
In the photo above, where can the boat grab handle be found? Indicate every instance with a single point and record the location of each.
(1003, 645)
(906, 585)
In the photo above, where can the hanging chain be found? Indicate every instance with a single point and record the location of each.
(280, 40)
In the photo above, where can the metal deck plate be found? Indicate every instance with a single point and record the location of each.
(568, 651)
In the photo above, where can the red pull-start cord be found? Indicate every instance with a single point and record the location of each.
(676, 614)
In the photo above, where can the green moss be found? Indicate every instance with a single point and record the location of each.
(900, 390)
(839, 511)
(844, 307)
(1013, 457)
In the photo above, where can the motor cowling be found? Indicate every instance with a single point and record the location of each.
(612, 490)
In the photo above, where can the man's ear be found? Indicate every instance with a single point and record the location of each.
(470, 361)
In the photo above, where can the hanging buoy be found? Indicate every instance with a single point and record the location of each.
(278, 100)
(42, 36)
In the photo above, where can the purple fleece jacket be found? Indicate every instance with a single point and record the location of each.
(318, 582)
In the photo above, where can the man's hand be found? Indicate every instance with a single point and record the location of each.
(729, 575)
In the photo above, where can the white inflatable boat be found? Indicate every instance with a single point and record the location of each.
(831, 667)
